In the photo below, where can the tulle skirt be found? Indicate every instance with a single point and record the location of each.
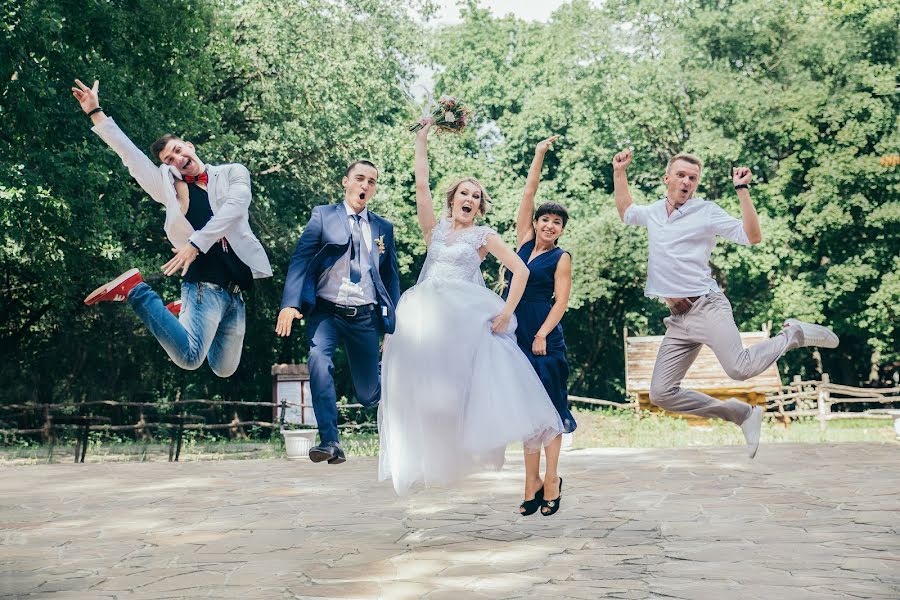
(454, 394)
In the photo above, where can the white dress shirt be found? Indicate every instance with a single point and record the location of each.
(681, 244)
(334, 284)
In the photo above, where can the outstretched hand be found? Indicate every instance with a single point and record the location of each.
(741, 176)
(182, 260)
(544, 145)
(285, 320)
(621, 160)
(87, 97)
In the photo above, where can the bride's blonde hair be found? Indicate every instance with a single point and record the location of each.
(483, 206)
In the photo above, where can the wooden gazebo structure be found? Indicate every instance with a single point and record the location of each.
(705, 375)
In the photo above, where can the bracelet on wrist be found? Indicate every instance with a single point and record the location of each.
(742, 186)
(95, 111)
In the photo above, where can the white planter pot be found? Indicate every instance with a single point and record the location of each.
(297, 442)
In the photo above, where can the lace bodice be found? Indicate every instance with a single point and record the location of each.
(455, 254)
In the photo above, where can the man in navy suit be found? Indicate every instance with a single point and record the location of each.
(345, 277)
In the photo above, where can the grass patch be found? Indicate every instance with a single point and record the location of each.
(612, 428)
(607, 428)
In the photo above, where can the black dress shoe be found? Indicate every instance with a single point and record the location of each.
(330, 451)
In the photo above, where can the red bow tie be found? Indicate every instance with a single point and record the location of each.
(201, 178)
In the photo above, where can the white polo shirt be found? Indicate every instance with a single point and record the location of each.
(681, 244)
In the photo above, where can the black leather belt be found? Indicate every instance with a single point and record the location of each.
(344, 311)
(230, 287)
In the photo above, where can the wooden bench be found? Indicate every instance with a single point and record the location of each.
(705, 375)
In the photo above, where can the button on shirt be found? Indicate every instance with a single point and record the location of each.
(681, 244)
(334, 284)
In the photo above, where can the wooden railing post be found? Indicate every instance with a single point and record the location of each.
(822, 401)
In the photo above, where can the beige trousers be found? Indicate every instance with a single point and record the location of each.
(710, 321)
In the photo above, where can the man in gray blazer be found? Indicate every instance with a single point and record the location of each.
(215, 251)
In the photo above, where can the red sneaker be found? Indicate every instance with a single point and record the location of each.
(117, 289)
(174, 307)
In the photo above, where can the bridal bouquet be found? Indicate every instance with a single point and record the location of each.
(449, 115)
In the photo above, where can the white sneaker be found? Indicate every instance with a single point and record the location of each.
(752, 427)
(814, 335)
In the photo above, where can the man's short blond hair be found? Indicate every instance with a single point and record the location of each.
(689, 158)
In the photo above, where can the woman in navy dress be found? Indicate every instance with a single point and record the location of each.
(539, 333)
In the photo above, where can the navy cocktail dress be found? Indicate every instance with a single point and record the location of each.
(553, 369)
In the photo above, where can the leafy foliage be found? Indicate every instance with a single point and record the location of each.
(802, 92)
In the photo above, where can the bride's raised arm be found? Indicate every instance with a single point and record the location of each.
(424, 203)
(520, 273)
(524, 228)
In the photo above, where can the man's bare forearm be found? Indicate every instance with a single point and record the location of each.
(749, 217)
(623, 194)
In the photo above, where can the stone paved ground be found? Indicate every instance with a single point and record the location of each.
(817, 522)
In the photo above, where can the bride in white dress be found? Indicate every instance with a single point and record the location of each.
(456, 388)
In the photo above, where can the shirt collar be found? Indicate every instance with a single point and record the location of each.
(364, 215)
(688, 206)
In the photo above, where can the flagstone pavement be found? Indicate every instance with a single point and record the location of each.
(800, 522)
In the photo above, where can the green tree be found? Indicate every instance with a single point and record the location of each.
(804, 93)
(292, 90)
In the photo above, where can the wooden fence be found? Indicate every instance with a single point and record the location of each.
(796, 400)
(819, 398)
(822, 400)
(152, 415)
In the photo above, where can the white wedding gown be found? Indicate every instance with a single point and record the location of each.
(453, 394)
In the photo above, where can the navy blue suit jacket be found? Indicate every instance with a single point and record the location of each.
(324, 240)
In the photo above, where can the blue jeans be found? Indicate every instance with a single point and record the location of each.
(211, 325)
(360, 336)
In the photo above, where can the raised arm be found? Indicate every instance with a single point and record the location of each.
(562, 288)
(742, 176)
(524, 229)
(139, 165)
(424, 204)
(620, 163)
(520, 273)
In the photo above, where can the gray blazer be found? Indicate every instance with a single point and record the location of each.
(229, 198)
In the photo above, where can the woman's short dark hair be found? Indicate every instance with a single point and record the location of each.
(552, 208)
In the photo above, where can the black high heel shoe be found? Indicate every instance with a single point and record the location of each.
(532, 506)
(553, 505)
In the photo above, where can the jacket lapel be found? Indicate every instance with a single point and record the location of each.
(340, 213)
(375, 256)
(212, 187)
(375, 230)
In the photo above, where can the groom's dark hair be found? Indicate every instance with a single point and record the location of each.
(160, 144)
(360, 162)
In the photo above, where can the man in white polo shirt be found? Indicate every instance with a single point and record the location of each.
(682, 231)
